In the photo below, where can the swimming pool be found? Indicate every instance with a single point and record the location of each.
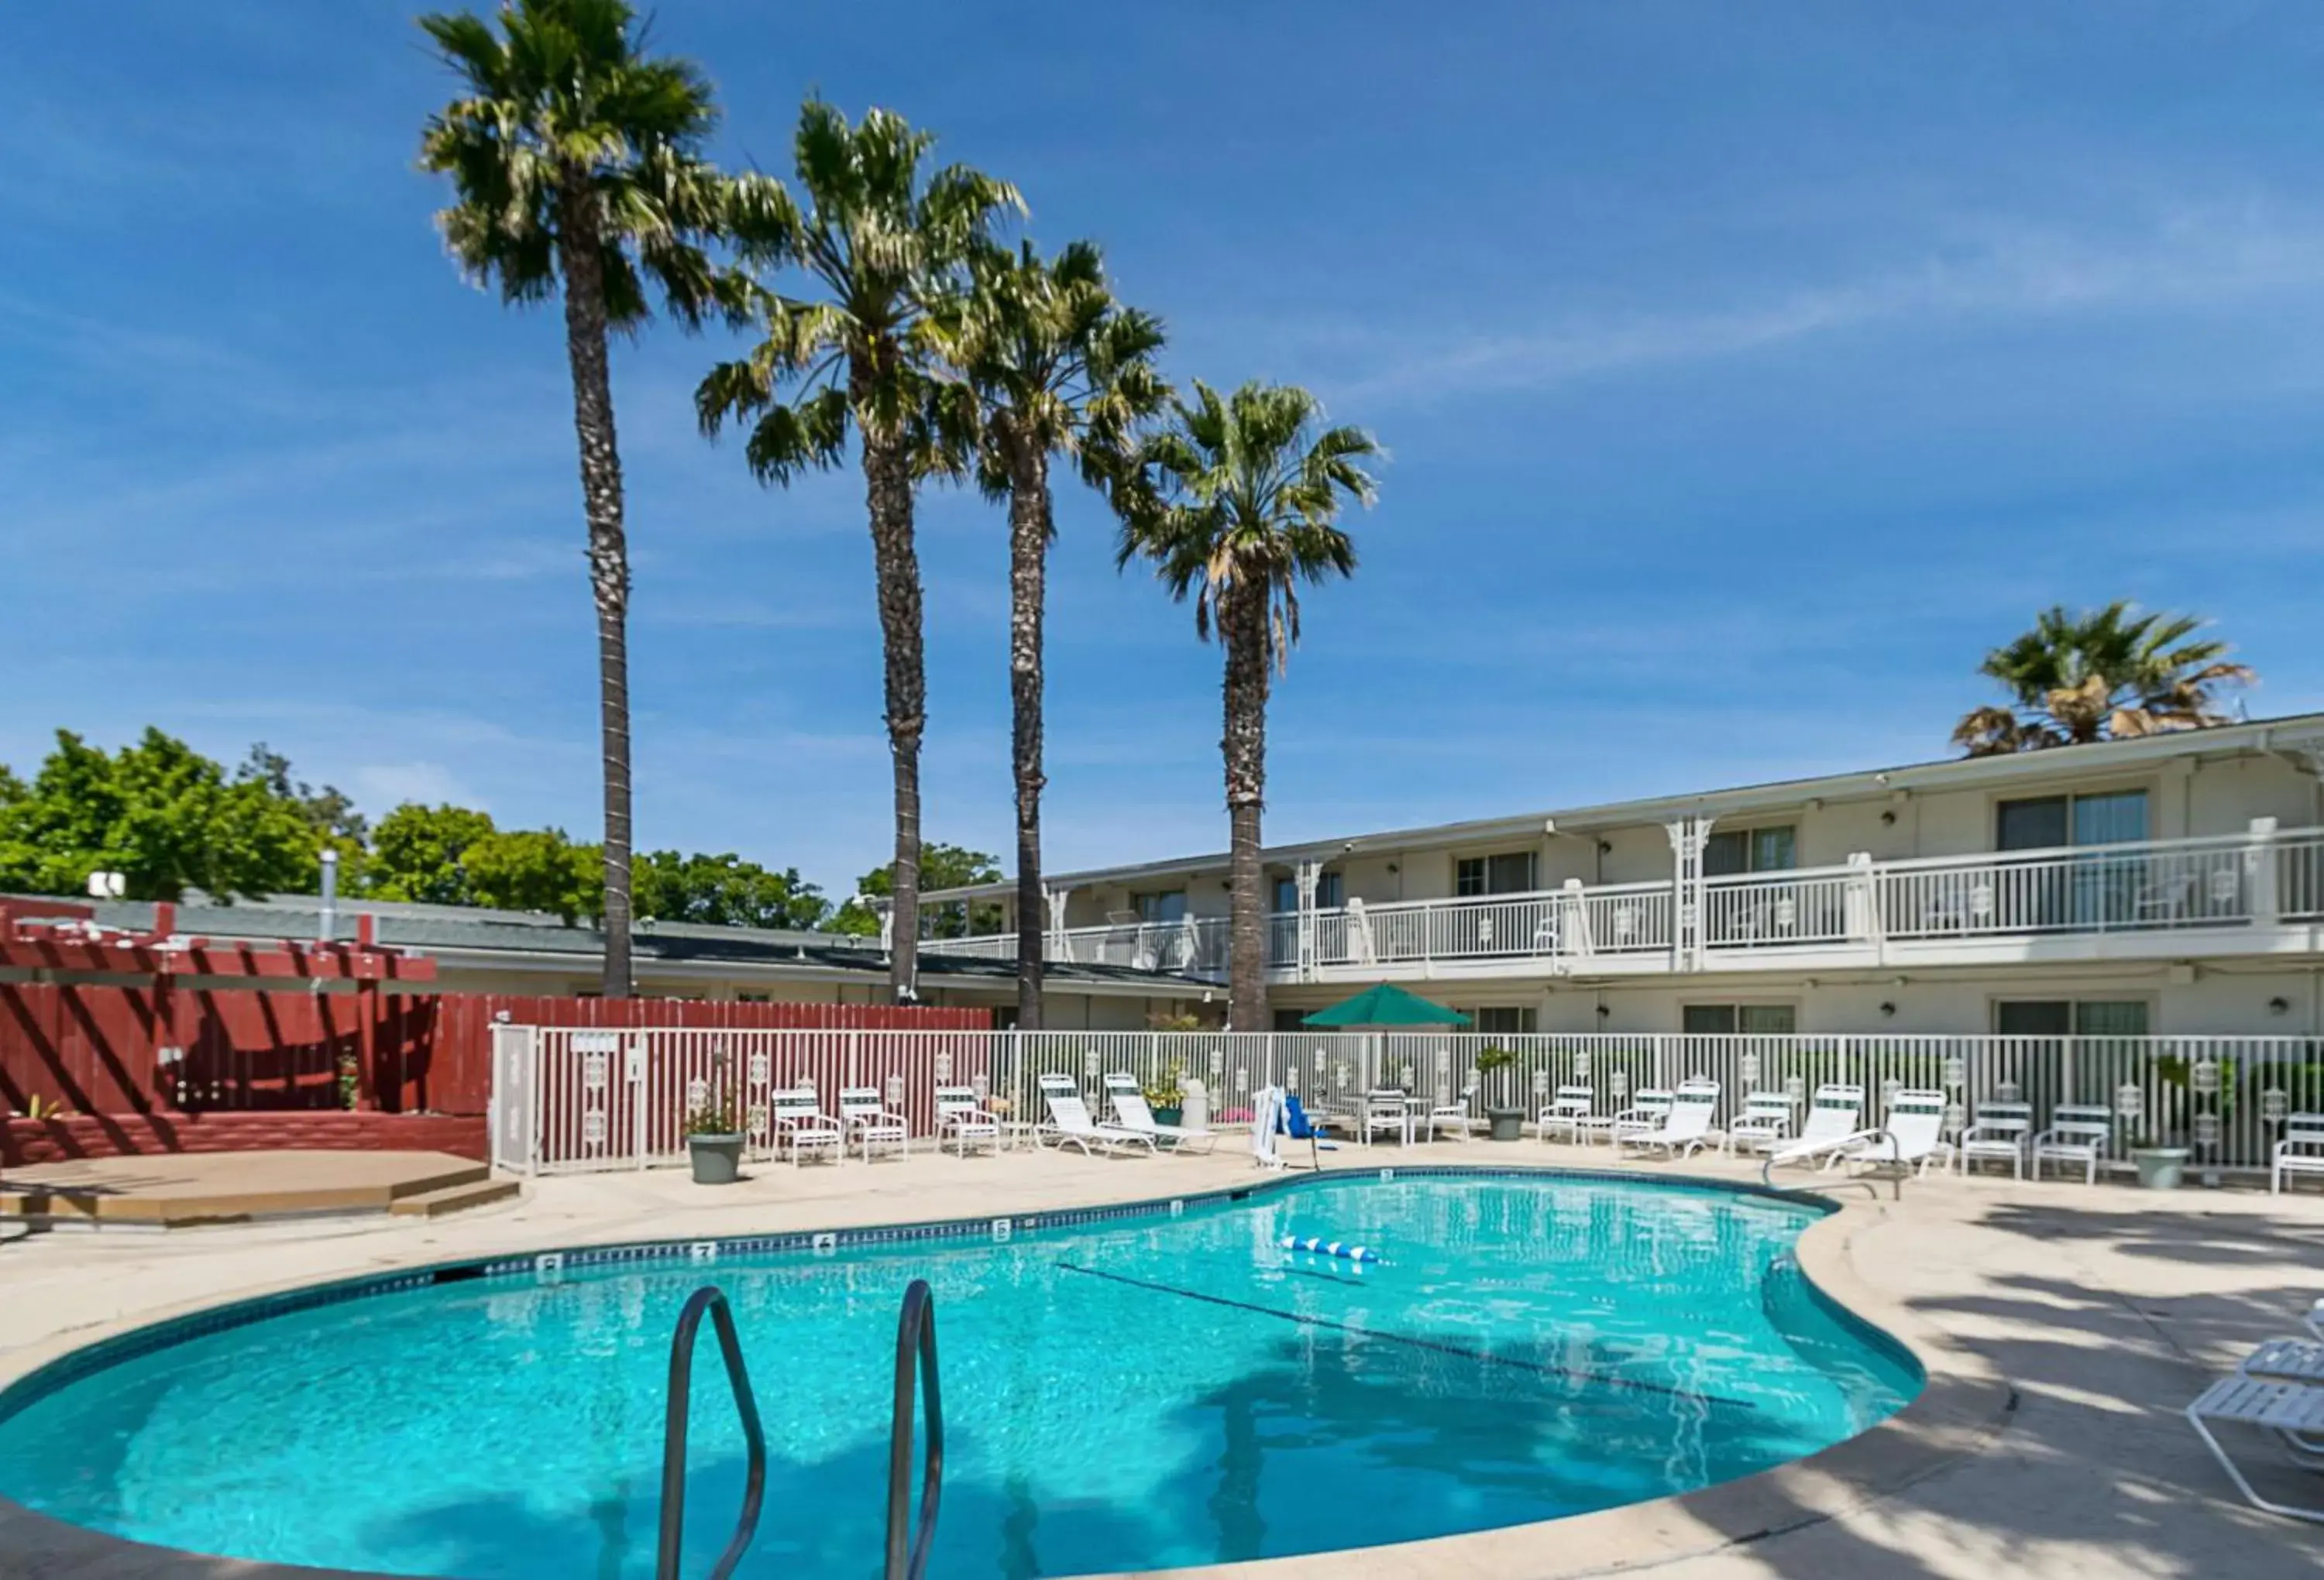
(1126, 1389)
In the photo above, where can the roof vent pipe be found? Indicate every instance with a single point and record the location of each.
(326, 914)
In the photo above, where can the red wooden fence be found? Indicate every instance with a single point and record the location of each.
(101, 1050)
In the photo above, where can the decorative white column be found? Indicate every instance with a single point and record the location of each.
(1056, 898)
(2262, 892)
(1687, 836)
(1863, 903)
(1573, 934)
(1307, 873)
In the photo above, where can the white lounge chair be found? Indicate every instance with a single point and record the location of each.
(2314, 1320)
(965, 1120)
(1131, 1112)
(2077, 1133)
(1069, 1123)
(1650, 1110)
(1688, 1129)
(803, 1129)
(1573, 1110)
(1765, 1124)
(2293, 1411)
(1835, 1119)
(1913, 1138)
(869, 1123)
(1999, 1134)
(2300, 1152)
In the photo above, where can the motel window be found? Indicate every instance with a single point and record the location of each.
(2075, 1017)
(1165, 906)
(1510, 873)
(1290, 1020)
(1503, 1020)
(2045, 823)
(1718, 1020)
(1330, 892)
(1732, 850)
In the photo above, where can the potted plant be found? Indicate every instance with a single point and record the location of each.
(2159, 1153)
(1165, 1098)
(1507, 1119)
(713, 1142)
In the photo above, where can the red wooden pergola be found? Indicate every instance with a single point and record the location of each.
(65, 943)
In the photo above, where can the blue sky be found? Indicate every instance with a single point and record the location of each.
(1747, 374)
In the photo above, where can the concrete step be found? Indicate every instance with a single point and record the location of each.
(445, 1179)
(459, 1197)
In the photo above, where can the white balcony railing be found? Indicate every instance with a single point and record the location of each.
(2171, 886)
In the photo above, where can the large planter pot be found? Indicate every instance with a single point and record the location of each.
(2160, 1168)
(1169, 1115)
(1508, 1124)
(718, 1158)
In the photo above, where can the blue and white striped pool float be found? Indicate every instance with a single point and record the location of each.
(1322, 1247)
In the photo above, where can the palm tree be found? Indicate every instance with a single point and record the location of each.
(574, 167)
(2113, 674)
(1053, 366)
(889, 253)
(1238, 502)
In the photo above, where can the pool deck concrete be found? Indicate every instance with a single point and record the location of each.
(2064, 1328)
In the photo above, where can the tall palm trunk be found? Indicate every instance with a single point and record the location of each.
(888, 496)
(609, 562)
(1243, 623)
(1028, 553)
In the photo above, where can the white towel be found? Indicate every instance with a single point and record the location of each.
(1266, 1119)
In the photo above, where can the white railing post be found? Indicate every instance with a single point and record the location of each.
(2264, 896)
(1063, 947)
(1688, 836)
(1863, 906)
(1307, 872)
(1573, 921)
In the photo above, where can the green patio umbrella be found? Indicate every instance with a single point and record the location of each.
(1384, 1004)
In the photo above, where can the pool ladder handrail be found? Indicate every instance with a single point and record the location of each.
(916, 1362)
(709, 1298)
(1878, 1133)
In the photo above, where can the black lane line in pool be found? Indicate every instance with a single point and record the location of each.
(1482, 1357)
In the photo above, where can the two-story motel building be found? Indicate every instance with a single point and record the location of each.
(2172, 884)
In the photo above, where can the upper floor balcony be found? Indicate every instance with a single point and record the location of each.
(2261, 892)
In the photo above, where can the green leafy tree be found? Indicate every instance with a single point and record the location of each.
(1054, 366)
(159, 812)
(726, 891)
(330, 811)
(2112, 673)
(942, 867)
(574, 161)
(536, 869)
(419, 853)
(1238, 504)
(884, 254)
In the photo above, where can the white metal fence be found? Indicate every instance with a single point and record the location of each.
(571, 1099)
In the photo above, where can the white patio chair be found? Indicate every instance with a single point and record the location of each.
(1913, 1138)
(1131, 1112)
(1650, 1110)
(2077, 1133)
(1687, 1130)
(2300, 1152)
(1385, 1111)
(965, 1120)
(868, 1122)
(1575, 1111)
(1765, 1123)
(1453, 1115)
(1835, 1118)
(2293, 1411)
(803, 1129)
(1999, 1134)
(1069, 1123)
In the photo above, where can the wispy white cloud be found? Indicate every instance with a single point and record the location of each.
(2186, 255)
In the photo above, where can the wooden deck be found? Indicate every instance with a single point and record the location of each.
(221, 1187)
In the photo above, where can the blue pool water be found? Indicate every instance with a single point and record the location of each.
(1137, 1393)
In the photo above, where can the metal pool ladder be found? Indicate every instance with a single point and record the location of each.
(711, 1299)
(916, 1352)
(916, 1373)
